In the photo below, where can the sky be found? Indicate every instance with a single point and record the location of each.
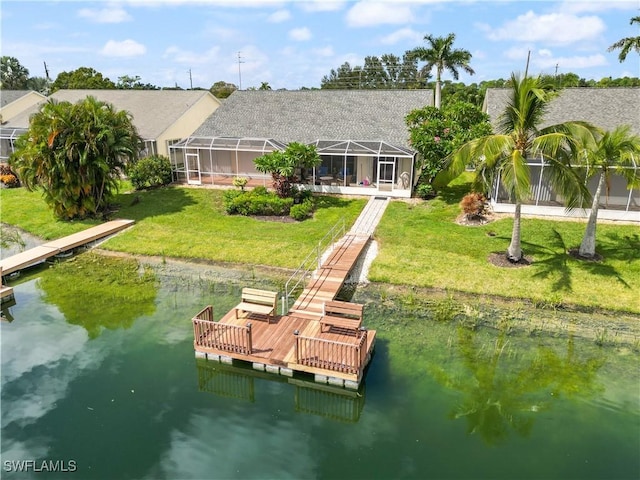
(294, 44)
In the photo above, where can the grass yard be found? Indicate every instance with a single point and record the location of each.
(191, 223)
(28, 211)
(421, 245)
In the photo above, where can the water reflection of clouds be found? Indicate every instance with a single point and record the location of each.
(209, 445)
(41, 356)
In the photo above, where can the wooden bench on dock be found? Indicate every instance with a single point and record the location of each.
(344, 315)
(262, 302)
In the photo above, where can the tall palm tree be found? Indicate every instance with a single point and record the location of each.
(505, 154)
(441, 55)
(76, 153)
(627, 44)
(615, 153)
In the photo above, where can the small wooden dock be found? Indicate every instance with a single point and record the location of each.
(40, 253)
(295, 342)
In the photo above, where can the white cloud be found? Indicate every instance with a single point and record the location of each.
(544, 59)
(323, 52)
(517, 53)
(580, 6)
(209, 3)
(570, 63)
(178, 55)
(322, 5)
(553, 28)
(279, 16)
(110, 14)
(126, 48)
(300, 34)
(368, 14)
(222, 33)
(400, 35)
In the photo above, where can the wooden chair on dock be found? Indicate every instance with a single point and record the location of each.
(342, 315)
(261, 302)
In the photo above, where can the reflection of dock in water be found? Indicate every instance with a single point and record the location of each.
(225, 381)
(309, 397)
(323, 400)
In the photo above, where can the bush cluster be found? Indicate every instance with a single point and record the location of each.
(148, 172)
(7, 177)
(9, 180)
(256, 202)
(425, 191)
(259, 201)
(302, 211)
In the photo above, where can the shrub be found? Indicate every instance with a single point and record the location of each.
(240, 182)
(9, 180)
(152, 171)
(256, 202)
(425, 191)
(302, 210)
(473, 205)
(300, 195)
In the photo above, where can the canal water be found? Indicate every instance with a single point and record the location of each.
(99, 379)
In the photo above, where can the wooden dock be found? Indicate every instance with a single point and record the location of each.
(39, 254)
(295, 342)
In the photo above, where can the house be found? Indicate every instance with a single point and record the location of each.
(12, 103)
(606, 108)
(162, 117)
(361, 137)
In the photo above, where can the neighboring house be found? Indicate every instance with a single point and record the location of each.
(361, 136)
(606, 108)
(162, 117)
(12, 103)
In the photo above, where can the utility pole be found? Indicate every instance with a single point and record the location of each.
(190, 79)
(526, 70)
(46, 72)
(239, 72)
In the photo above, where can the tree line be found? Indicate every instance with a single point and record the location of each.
(387, 71)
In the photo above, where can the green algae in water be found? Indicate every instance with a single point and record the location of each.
(443, 399)
(96, 291)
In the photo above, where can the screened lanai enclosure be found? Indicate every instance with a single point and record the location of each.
(8, 137)
(617, 202)
(348, 167)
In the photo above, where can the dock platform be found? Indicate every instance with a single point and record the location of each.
(42, 252)
(295, 342)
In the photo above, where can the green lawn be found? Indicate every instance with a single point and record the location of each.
(191, 223)
(421, 245)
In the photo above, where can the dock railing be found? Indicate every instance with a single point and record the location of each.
(331, 355)
(220, 336)
(312, 261)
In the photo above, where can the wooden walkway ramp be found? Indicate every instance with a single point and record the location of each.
(331, 275)
(39, 254)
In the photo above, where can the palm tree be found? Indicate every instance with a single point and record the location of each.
(505, 154)
(442, 56)
(76, 154)
(627, 44)
(613, 154)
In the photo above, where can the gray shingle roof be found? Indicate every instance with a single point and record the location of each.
(153, 111)
(9, 96)
(606, 108)
(308, 115)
